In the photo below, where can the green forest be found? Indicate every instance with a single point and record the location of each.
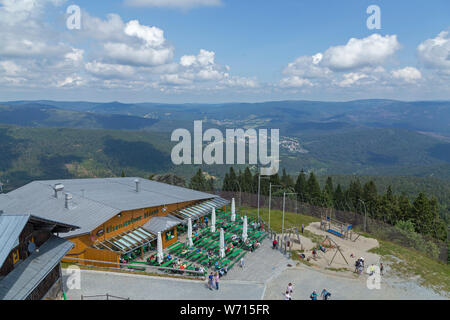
(420, 213)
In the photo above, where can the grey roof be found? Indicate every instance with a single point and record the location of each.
(20, 282)
(160, 224)
(11, 227)
(94, 200)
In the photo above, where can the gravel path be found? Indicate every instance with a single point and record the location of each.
(343, 286)
(140, 287)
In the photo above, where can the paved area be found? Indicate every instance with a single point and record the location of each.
(342, 287)
(139, 287)
(260, 265)
(265, 275)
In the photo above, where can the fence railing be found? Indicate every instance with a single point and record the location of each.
(133, 267)
(106, 296)
(378, 228)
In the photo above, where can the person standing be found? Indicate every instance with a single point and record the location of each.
(210, 281)
(287, 296)
(313, 295)
(303, 227)
(242, 262)
(217, 281)
(325, 294)
(206, 221)
(381, 268)
(290, 288)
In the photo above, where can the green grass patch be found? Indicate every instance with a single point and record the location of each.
(296, 257)
(337, 269)
(291, 219)
(433, 274)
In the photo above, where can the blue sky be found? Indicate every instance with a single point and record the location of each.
(232, 50)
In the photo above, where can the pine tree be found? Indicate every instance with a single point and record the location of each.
(198, 181)
(315, 193)
(301, 187)
(370, 198)
(422, 214)
(247, 182)
(339, 198)
(226, 182)
(328, 193)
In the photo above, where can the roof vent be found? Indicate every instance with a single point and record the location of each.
(58, 187)
(68, 200)
(137, 184)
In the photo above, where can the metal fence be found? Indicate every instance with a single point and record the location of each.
(103, 297)
(432, 247)
(137, 268)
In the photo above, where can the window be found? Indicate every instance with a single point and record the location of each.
(15, 256)
(170, 235)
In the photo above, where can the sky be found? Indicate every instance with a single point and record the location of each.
(213, 51)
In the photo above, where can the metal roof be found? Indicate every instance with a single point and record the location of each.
(11, 227)
(20, 282)
(94, 200)
(160, 224)
(199, 210)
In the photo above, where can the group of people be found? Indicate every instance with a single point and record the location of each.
(359, 265)
(325, 295)
(213, 279)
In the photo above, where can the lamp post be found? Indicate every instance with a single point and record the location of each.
(270, 196)
(284, 205)
(365, 214)
(259, 191)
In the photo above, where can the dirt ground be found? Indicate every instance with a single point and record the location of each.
(358, 248)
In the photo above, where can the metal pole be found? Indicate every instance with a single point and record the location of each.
(259, 190)
(365, 214)
(284, 205)
(270, 199)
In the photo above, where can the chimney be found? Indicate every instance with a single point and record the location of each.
(68, 200)
(137, 184)
(58, 187)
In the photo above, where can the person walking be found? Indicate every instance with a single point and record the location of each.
(287, 296)
(217, 281)
(210, 281)
(303, 227)
(290, 288)
(313, 295)
(242, 262)
(325, 294)
(381, 268)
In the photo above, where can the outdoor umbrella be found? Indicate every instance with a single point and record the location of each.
(213, 220)
(191, 243)
(244, 229)
(160, 249)
(222, 243)
(233, 210)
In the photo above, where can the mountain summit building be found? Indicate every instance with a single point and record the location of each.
(115, 216)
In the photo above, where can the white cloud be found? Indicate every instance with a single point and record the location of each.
(407, 74)
(294, 82)
(371, 51)
(104, 70)
(351, 79)
(184, 4)
(152, 36)
(10, 68)
(435, 53)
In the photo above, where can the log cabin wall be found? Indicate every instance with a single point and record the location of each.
(127, 220)
(27, 235)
